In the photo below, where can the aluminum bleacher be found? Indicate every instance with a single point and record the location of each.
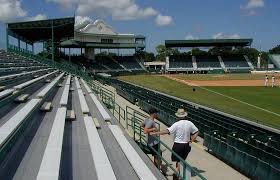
(11, 125)
(23, 85)
(81, 96)
(38, 144)
(99, 106)
(49, 168)
(102, 164)
(64, 98)
(50, 86)
(143, 172)
(21, 74)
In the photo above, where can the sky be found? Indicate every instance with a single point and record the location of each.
(161, 20)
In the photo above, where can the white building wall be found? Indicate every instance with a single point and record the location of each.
(97, 39)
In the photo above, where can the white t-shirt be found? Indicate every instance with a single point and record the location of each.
(182, 131)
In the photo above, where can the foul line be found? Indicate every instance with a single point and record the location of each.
(190, 84)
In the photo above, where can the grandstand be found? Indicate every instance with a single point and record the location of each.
(58, 122)
(208, 63)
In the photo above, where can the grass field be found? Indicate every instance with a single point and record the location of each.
(223, 76)
(227, 101)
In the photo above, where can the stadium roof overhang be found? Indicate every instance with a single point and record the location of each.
(38, 31)
(77, 44)
(208, 43)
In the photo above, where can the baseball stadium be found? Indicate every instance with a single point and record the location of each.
(76, 97)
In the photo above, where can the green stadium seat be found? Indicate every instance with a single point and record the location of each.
(274, 174)
(207, 140)
(239, 159)
(262, 170)
(250, 164)
(230, 154)
(222, 149)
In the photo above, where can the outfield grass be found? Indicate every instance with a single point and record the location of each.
(266, 98)
(206, 77)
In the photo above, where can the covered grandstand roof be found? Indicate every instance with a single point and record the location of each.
(208, 42)
(34, 31)
(78, 44)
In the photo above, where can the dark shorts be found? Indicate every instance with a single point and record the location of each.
(155, 147)
(182, 149)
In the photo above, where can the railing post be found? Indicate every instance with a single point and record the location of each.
(134, 128)
(126, 117)
(119, 114)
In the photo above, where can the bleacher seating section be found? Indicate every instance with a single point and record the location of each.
(256, 142)
(108, 62)
(235, 62)
(185, 63)
(129, 62)
(180, 62)
(208, 62)
(40, 140)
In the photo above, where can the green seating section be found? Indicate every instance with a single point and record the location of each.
(235, 62)
(180, 61)
(243, 160)
(208, 62)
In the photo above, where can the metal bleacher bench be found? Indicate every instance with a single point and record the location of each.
(82, 99)
(64, 98)
(42, 93)
(20, 74)
(12, 124)
(83, 102)
(23, 85)
(49, 168)
(99, 106)
(140, 167)
(102, 164)
(6, 93)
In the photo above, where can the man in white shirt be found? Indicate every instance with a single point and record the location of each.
(266, 81)
(273, 81)
(185, 132)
